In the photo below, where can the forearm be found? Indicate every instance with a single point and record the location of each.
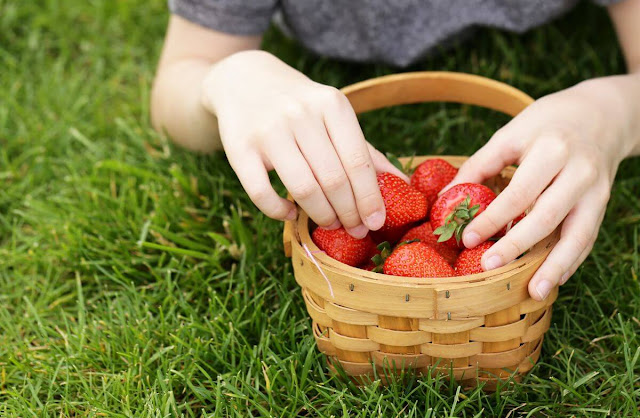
(631, 83)
(189, 52)
(626, 16)
(176, 106)
(620, 99)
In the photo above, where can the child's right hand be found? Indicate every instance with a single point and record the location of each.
(271, 116)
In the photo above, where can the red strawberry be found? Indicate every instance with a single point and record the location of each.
(455, 208)
(431, 176)
(468, 261)
(404, 204)
(510, 225)
(425, 234)
(338, 244)
(417, 259)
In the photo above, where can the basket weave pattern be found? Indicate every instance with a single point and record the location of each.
(478, 328)
(463, 347)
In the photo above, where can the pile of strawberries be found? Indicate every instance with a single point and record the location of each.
(422, 233)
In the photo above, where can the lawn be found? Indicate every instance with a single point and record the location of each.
(137, 279)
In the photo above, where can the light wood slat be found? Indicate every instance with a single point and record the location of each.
(398, 338)
(509, 358)
(494, 295)
(443, 326)
(315, 312)
(354, 369)
(500, 333)
(350, 316)
(352, 344)
(459, 373)
(530, 361)
(287, 235)
(436, 86)
(446, 351)
(539, 328)
(400, 361)
(366, 295)
(322, 341)
(455, 340)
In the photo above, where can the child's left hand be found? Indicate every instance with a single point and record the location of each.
(568, 146)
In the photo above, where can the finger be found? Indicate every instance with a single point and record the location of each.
(255, 180)
(321, 156)
(297, 177)
(585, 253)
(547, 213)
(577, 236)
(383, 165)
(565, 278)
(500, 151)
(347, 138)
(541, 164)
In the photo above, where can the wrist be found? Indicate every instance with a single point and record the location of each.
(618, 101)
(222, 73)
(635, 116)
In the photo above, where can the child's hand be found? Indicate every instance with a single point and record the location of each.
(271, 116)
(568, 146)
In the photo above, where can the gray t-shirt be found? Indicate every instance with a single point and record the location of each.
(396, 32)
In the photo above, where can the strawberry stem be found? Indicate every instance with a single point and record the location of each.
(457, 221)
(406, 169)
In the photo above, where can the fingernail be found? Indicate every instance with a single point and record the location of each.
(564, 278)
(335, 225)
(358, 232)
(471, 239)
(543, 288)
(291, 215)
(375, 221)
(493, 262)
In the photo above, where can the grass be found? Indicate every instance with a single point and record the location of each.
(137, 279)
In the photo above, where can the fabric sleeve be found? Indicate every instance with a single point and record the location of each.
(237, 17)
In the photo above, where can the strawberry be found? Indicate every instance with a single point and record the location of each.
(431, 176)
(404, 204)
(341, 246)
(425, 234)
(417, 259)
(455, 208)
(510, 225)
(468, 261)
(391, 235)
(368, 263)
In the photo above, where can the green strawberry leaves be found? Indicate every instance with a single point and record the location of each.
(457, 221)
(378, 259)
(407, 169)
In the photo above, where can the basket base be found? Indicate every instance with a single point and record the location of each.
(469, 377)
(388, 367)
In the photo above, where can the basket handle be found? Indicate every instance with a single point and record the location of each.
(435, 86)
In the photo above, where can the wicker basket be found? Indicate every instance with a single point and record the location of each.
(477, 328)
